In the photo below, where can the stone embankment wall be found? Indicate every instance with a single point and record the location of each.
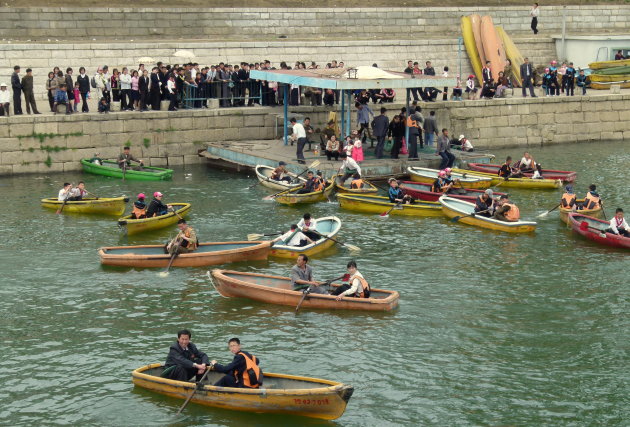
(255, 23)
(57, 143)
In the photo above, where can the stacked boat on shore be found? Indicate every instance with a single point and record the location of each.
(608, 73)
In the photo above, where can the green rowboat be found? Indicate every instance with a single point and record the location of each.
(110, 168)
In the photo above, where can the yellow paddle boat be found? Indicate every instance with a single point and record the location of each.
(103, 206)
(466, 178)
(458, 208)
(135, 226)
(529, 183)
(263, 173)
(292, 197)
(344, 188)
(379, 205)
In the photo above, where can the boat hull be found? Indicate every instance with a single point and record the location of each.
(102, 206)
(421, 191)
(612, 240)
(471, 47)
(277, 290)
(606, 85)
(136, 226)
(608, 64)
(263, 173)
(379, 205)
(492, 46)
(110, 168)
(318, 399)
(328, 226)
(452, 208)
(428, 176)
(513, 54)
(291, 197)
(564, 213)
(528, 183)
(368, 188)
(564, 176)
(153, 256)
(609, 78)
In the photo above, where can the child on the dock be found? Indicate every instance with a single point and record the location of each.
(77, 96)
(471, 90)
(457, 90)
(357, 150)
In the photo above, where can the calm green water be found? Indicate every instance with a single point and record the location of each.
(492, 329)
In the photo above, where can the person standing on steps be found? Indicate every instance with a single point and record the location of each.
(16, 85)
(380, 128)
(534, 14)
(27, 87)
(527, 74)
(299, 135)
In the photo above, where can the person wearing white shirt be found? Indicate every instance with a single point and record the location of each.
(466, 145)
(125, 90)
(357, 285)
(618, 224)
(299, 135)
(65, 192)
(5, 99)
(309, 227)
(294, 237)
(171, 88)
(348, 167)
(534, 14)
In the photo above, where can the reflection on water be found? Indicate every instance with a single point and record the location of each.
(492, 328)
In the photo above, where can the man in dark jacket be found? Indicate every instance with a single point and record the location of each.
(143, 88)
(84, 89)
(239, 373)
(16, 85)
(27, 87)
(184, 359)
(527, 74)
(380, 126)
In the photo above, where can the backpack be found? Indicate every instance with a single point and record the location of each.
(93, 82)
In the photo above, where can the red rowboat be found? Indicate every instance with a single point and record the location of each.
(564, 176)
(422, 191)
(593, 229)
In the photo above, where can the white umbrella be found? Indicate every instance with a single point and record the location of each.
(184, 54)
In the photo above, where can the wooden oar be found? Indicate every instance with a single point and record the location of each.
(347, 245)
(198, 386)
(386, 213)
(544, 214)
(63, 204)
(308, 290)
(584, 226)
(603, 210)
(311, 166)
(254, 236)
(457, 218)
(89, 192)
(170, 262)
(124, 169)
(175, 212)
(273, 196)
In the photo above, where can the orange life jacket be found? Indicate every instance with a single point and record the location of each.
(568, 200)
(357, 183)
(251, 376)
(591, 201)
(365, 287)
(138, 213)
(319, 185)
(411, 123)
(190, 244)
(513, 214)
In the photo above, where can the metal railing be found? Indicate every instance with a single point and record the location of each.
(229, 93)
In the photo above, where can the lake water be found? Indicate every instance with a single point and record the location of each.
(492, 328)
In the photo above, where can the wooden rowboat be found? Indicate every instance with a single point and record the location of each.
(422, 191)
(278, 290)
(467, 179)
(593, 229)
(529, 183)
(263, 173)
(564, 176)
(110, 168)
(205, 254)
(609, 78)
(608, 64)
(564, 212)
(135, 226)
(291, 197)
(368, 187)
(453, 207)
(280, 394)
(607, 85)
(378, 205)
(103, 206)
(327, 226)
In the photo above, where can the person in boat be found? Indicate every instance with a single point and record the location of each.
(450, 181)
(96, 159)
(356, 287)
(184, 359)
(78, 193)
(242, 372)
(397, 195)
(507, 211)
(484, 204)
(357, 182)
(156, 207)
(321, 179)
(465, 144)
(349, 167)
(441, 183)
(309, 227)
(568, 200)
(311, 185)
(65, 193)
(302, 277)
(508, 171)
(527, 163)
(618, 224)
(125, 159)
(139, 210)
(294, 237)
(185, 241)
(592, 200)
(280, 173)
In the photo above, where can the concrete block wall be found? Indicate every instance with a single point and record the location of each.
(255, 23)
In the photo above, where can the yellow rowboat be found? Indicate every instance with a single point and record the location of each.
(513, 54)
(291, 197)
(529, 183)
(564, 212)
(103, 206)
(471, 47)
(378, 205)
(608, 64)
(280, 394)
(609, 78)
(328, 226)
(135, 226)
(454, 207)
(466, 178)
(368, 187)
(606, 85)
(264, 172)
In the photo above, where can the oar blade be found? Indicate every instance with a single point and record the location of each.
(455, 218)
(542, 215)
(384, 215)
(252, 237)
(163, 274)
(353, 248)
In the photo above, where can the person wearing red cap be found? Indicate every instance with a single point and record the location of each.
(139, 208)
(471, 90)
(156, 207)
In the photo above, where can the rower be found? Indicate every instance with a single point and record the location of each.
(184, 359)
(568, 200)
(322, 180)
(302, 276)
(348, 167)
(618, 224)
(96, 159)
(592, 200)
(156, 207)
(185, 241)
(125, 159)
(507, 211)
(310, 185)
(357, 182)
(78, 193)
(484, 204)
(396, 194)
(507, 171)
(65, 192)
(309, 227)
(139, 208)
(356, 287)
(449, 181)
(294, 237)
(242, 372)
(527, 163)
(280, 173)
